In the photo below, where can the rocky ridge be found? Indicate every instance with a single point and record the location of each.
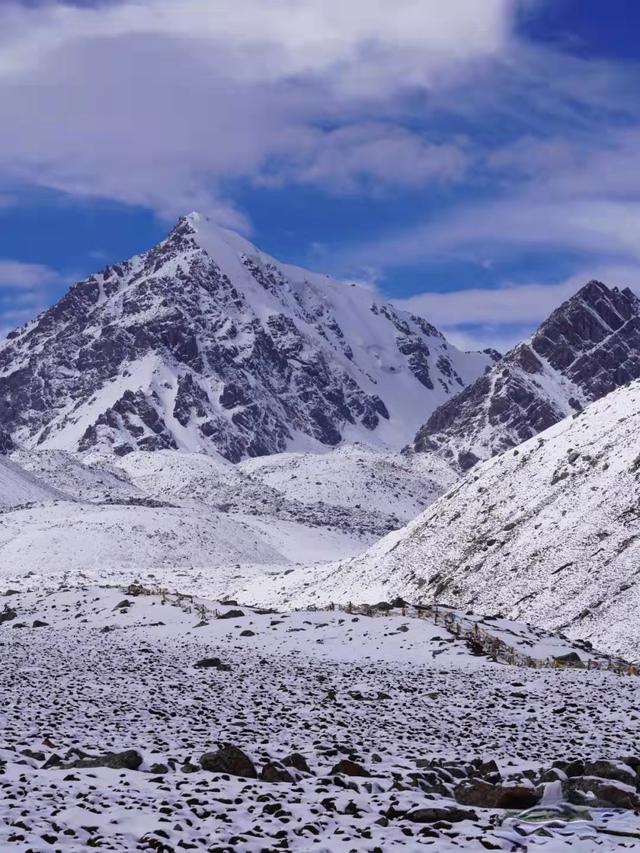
(204, 343)
(587, 348)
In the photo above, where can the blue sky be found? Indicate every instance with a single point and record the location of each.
(474, 161)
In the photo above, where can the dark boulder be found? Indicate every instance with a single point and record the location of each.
(298, 762)
(231, 614)
(229, 759)
(275, 772)
(349, 768)
(452, 814)
(485, 795)
(130, 759)
(213, 663)
(600, 793)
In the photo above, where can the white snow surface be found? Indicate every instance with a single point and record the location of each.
(199, 519)
(93, 671)
(547, 532)
(357, 475)
(19, 487)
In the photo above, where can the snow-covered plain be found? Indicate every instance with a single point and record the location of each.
(416, 717)
(196, 520)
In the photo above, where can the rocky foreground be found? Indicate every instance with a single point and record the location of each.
(140, 722)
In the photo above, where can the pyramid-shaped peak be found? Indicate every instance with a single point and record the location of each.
(595, 291)
(593, 304)
(205, 343)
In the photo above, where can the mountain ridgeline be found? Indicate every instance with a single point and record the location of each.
(206, 344)
(587, 348)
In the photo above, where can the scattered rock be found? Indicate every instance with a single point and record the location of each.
(298, 762)
(600, 793)
(452, 814)
(229, 759)
(213, 663)
(130, 759)
(275, 772)
(485, 795)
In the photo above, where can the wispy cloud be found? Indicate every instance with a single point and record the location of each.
(475, 318)
(182, 97)
(22, 276)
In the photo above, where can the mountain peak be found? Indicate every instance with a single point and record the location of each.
(204, 343)
(586, 348)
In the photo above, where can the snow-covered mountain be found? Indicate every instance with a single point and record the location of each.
(547, 532)
(205, 343)
(588, 347)
(198, 520)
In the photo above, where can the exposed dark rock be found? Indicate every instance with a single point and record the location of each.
(592, 342)
(231, 614)
(213, 663)
(433, 815)
(7, 614)
(478, 792)
(616, 770)
(275, 772)
(229, 759)
(130, 759)
(350, 768)
(298, 762)
(600, 793)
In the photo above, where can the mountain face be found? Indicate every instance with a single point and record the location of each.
(548, 533)
(585, 349)
(206, 344)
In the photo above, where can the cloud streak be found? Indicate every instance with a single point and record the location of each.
(161, 104)
(22, 276)
(499, 317)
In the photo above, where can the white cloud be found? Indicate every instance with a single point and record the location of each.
(359, 157)
(24, 291)
(23, 276)
(604, 228)
(359, 44)
(499, 317)
(163, 102)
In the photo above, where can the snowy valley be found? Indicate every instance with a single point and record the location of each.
(241, 611)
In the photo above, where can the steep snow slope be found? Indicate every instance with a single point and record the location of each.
(207, 344)
(548, 532)
(18, 486)
(77, 477)
(585, 349)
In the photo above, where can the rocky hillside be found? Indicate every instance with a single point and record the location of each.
(165, 740)
(585, 349)
(205, 343)
(547, 532)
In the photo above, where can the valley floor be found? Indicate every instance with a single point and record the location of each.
(413, 713)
